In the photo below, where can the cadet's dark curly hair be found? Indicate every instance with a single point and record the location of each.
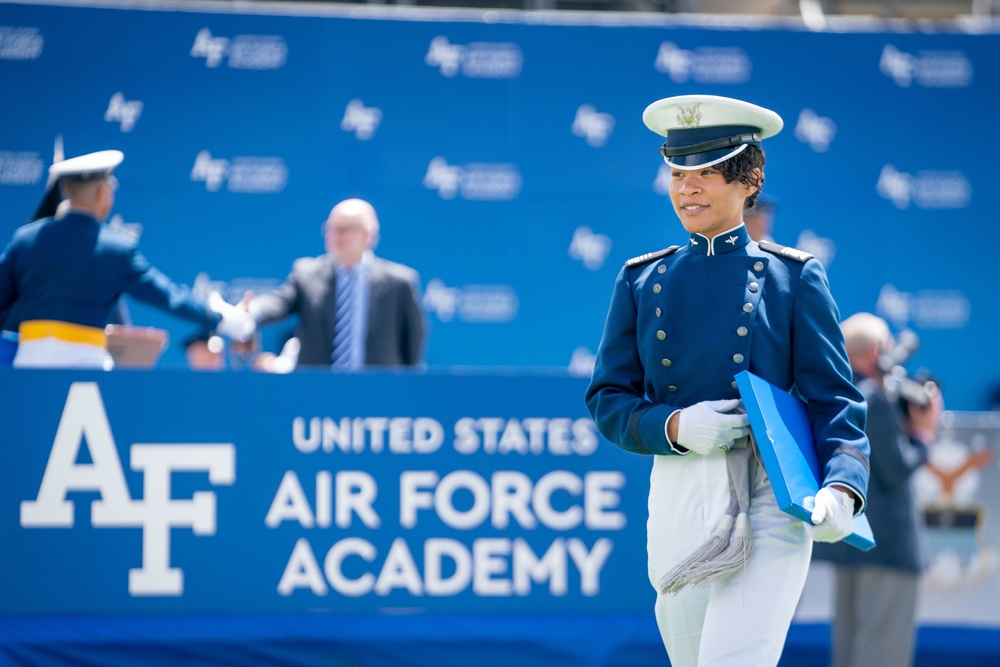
(740, 168)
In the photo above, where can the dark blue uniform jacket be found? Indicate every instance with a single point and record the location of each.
(74, 268)
(682, 324)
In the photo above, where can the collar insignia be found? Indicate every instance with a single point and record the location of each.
(732, 240)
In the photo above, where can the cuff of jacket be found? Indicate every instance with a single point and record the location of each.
(649, 428)
(851, 473)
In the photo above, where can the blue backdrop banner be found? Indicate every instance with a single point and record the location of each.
(505, 154)
(389, 519)
(237, 493)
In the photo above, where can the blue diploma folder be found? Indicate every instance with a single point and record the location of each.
(787, 450)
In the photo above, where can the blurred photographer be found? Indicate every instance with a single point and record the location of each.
(876, 591)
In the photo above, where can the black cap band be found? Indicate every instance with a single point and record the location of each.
(712, 145)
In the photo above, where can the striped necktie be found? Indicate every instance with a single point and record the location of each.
(343, 331)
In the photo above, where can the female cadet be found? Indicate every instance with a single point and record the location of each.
(682, 322)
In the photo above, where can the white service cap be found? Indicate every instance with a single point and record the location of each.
(87, 167)
(703, 130)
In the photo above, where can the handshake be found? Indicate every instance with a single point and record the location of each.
(236, 323)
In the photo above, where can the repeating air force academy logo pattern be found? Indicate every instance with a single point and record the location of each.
(481, 181)
(592, 125)
(124, 112)
(590, 248)
(477, 60)
(84, 420)
(816, 131)
(17, 43)
(472, 303)
(706, 64)
(220, 47)
(925, 189)
(213, 172)
(212, 49)
(258, 175)
(21, 168)
(930, 69)
(926, 309)
(255, 52)
(361, 120)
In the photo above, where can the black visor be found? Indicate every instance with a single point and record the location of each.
(702, 146)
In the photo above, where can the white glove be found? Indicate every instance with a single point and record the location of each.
(706, 427)
(235, 323)
(289, 357)
(832, 517)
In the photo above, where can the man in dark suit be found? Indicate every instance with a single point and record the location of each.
(355, 310)
(876, 591)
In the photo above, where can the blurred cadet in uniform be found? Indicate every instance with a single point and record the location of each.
(355, 310)
(728, 565)
(61, 276)
(760, 219)
(876, 591)
(53, 205)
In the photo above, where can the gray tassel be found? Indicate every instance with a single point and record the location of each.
(733, 558)
(686, 572)
(731, 543)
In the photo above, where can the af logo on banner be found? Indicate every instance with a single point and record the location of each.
(122, 111)
(156, 513)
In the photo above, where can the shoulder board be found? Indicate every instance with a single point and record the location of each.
(784, 251)
(650, 256)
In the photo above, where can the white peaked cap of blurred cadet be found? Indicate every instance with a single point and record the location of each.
(87, 167)
(703, 130)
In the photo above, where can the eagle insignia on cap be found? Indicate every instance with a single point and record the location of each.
(690, 116)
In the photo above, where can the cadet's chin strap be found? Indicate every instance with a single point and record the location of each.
(731, 543)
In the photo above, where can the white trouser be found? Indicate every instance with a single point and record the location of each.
(743, 620)
(51, 352)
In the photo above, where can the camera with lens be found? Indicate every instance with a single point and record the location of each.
(918, 390)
